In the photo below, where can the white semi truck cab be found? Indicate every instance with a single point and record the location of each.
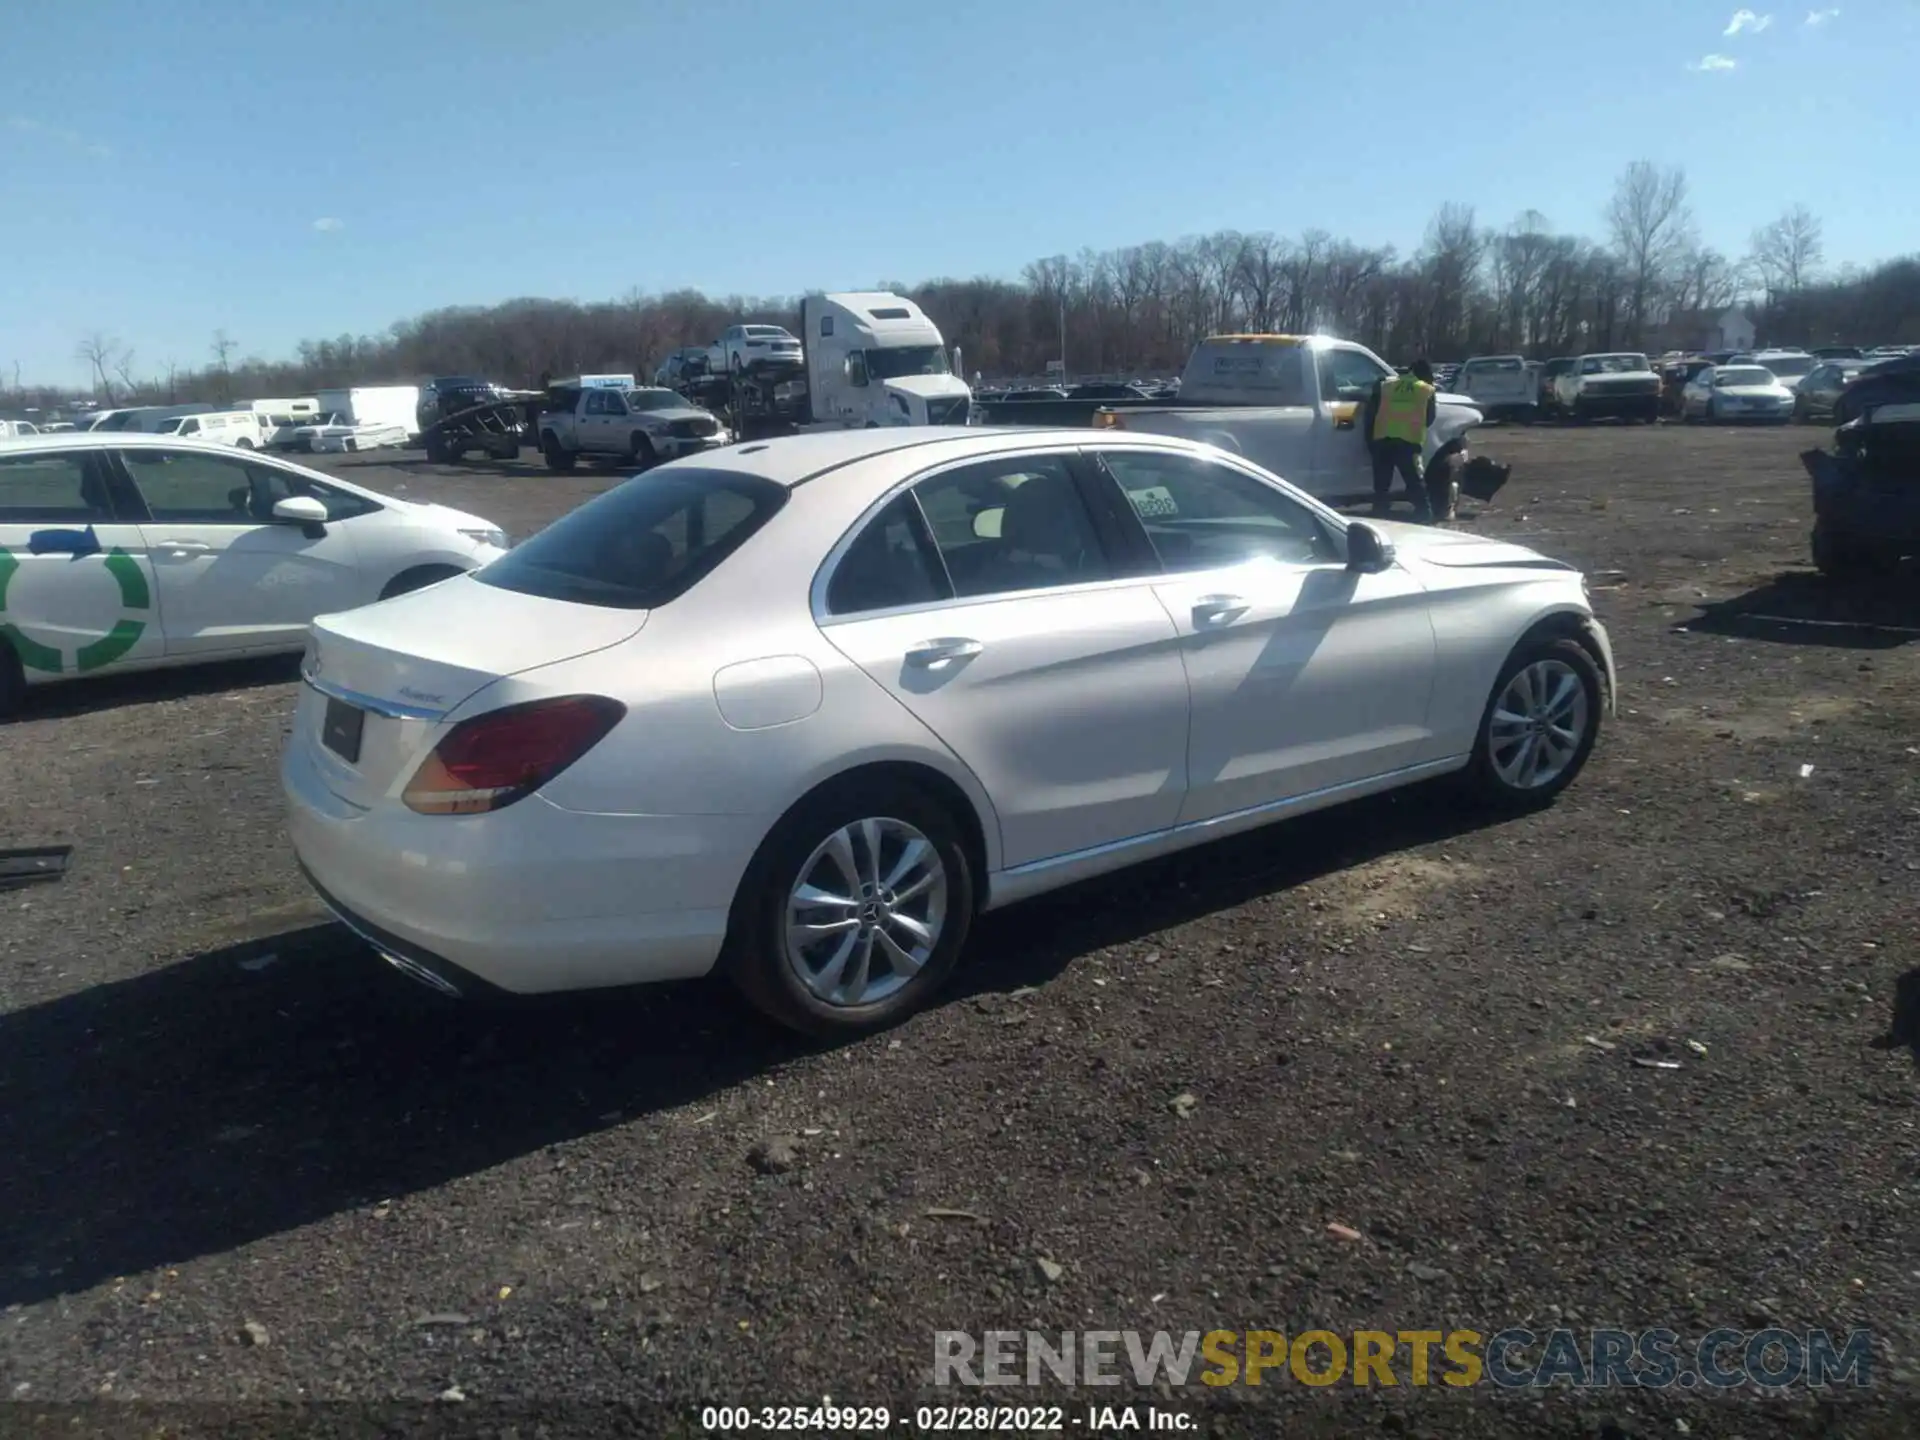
(875, 359)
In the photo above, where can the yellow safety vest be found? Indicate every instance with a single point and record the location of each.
(1403, 411)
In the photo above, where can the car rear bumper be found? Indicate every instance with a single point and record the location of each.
(530, 899)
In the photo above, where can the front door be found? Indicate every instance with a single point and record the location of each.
(1342, 466)
(76, 586)
(1304, 675)
(998, 620)
(230, 578)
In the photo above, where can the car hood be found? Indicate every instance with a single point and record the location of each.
(682, 412)
(1427, 545)
(1756, 392)
(929, 387)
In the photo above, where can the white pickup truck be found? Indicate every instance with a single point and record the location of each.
(1290, 404)
(640, 425)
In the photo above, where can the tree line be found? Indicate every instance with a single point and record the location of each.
(1469, 288)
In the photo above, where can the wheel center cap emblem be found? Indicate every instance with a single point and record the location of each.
(870, 913)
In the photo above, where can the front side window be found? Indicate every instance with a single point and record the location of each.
(1201, 515)
(1348, 375)
(189, 488)
(1010, 524)
(269, 486)
(52, 490)
(596, 402)
(643, 543)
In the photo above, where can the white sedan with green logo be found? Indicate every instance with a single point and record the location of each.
(128, 552)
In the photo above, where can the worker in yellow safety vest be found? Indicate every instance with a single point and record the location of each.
(1394, 424)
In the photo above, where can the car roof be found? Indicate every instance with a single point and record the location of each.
(795, 459)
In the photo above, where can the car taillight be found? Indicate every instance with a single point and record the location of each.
(492, 760)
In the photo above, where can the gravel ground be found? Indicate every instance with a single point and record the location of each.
(241, 1164)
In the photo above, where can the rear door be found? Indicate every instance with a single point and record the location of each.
(1304, 675)
(230, 578)
(986, 601)
(76, 586)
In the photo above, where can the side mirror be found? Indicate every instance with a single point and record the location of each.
(856, 370)
(302, 510)
(1368, 551)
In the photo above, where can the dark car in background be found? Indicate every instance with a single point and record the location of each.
(1819, 393)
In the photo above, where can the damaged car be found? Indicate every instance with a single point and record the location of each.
(1866, 490)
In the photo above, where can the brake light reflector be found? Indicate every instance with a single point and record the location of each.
(492, 760)
(1107, 420)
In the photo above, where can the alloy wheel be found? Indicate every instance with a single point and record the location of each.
(1538, 724)
(866, 912)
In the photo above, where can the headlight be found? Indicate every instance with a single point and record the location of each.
(487, 535)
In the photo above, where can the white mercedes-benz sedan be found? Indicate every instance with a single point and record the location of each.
(799, 710)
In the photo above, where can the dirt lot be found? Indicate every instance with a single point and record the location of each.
(217, 1111)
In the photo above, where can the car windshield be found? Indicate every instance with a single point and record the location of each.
(898, 360)
(1504, 366)
(1743, 375)
(654, 400)
(642, 543)
(1612, 364)
(1790, 367)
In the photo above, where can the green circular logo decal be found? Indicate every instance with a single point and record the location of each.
(125, 634)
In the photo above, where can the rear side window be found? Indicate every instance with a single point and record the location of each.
(642, 544)
(889, 566)
(52, 489)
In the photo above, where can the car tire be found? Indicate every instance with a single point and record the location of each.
(243, 444)
(1800, 416)
(558, 460)
(350, 445)
(13, 681)
(643, 452)
(418, 578)
(436, 448)
(1498, 775)
(785, 981)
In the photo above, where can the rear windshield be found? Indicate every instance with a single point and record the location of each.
(642, 543)
(1612, 364)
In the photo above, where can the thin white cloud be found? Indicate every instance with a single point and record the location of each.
(27, 125)
(328, 223)
(1745, 21)
(1821, 17)
(1713, 62)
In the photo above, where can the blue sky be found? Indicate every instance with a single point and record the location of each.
(293, 171)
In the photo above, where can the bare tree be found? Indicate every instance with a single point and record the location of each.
(1651, 226)
(223, 348)
(1788, 251)
(97, 351)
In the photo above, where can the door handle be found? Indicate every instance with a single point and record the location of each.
(931, 653)
(186, 547)
(1218, 609)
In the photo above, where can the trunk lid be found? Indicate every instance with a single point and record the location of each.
(389, 673)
